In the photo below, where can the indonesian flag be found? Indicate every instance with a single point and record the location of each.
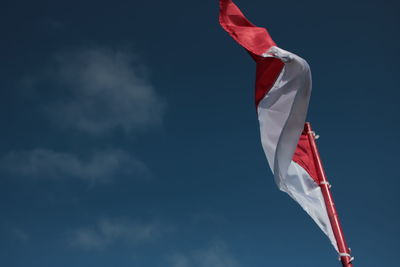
(282, 93)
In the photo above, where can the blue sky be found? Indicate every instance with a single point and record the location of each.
(129, 135)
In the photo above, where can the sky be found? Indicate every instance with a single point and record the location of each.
(129, 135)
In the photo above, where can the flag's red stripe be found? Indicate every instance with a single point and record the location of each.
(254, 39)
(268, 70)
(304, 157)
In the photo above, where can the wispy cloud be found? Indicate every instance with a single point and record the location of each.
(101, 166)
(215, 255)
(106, 232)
(20, 234)
(95, 91)
(101, 90)
(180, 260)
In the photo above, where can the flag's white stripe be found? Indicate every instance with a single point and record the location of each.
(282, 113)
(303, 189)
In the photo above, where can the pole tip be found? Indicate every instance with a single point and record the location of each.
(307, 127)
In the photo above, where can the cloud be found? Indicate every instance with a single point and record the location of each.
(216, 255)
(106, 232)
(180, 260)
(100, 90)
(101, 166)
(20, 234)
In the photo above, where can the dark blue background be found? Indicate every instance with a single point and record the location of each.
(211, 182)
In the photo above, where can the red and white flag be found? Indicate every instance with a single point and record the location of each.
(283, 88)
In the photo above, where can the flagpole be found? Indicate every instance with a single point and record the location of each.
(344, 251)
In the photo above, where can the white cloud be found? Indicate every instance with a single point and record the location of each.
(20, 234)
(101, 166)
(216, 255)
(109, 231)
(101, 90)
(180, 260)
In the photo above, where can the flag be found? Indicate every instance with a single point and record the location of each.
(282, 93)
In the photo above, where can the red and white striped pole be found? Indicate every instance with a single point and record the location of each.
(344, 251)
